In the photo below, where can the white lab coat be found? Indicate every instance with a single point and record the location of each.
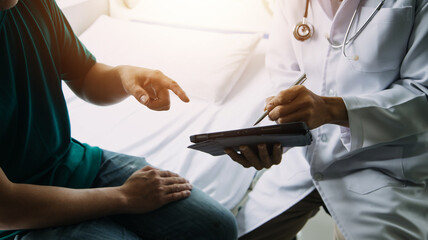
(373, 175)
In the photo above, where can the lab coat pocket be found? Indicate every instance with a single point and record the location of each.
(382, 45)
(374, 169)
(370, 180)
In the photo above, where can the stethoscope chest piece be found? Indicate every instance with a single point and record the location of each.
(303, 31)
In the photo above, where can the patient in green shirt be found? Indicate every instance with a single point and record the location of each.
(54, 187)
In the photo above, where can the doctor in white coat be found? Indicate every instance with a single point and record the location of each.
(367, 106)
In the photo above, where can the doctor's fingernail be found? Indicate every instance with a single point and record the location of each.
(144, 99)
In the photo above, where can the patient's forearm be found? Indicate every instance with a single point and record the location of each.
(102, 85)
(24, 206)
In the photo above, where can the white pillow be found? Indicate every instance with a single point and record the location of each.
(206, 64)
(231, 15)
(131, 3)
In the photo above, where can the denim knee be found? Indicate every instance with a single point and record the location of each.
(214, 221)
(223, 225)
(197, 217)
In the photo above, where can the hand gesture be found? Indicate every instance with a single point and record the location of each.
(150, 188)
(150, 87)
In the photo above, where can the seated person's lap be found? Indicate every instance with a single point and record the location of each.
(195, 217)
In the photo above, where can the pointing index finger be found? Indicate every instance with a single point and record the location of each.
(175, 88)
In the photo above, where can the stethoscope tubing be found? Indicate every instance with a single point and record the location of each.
(308, 28)
(346, 41)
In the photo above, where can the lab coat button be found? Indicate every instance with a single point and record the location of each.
(324, 137)
(331, 92)
(327, 36)
(318, 176)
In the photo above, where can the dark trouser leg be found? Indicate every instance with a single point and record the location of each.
(286, 225)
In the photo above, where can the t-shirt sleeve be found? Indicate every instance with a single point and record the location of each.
(75, 58)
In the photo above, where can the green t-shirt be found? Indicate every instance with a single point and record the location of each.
(38, 49)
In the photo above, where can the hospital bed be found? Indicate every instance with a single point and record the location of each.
(216, 56)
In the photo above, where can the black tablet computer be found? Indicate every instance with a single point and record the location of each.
(288, 135)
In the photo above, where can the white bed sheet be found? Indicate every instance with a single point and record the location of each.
(163, 137)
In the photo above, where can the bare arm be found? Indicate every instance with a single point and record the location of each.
(104, 85)
(26, 206)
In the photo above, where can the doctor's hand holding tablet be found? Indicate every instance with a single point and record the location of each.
(295, 104)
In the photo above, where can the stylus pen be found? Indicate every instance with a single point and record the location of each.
(299, 81)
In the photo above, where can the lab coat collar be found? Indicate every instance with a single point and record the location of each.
(330, 7)
(342, 19)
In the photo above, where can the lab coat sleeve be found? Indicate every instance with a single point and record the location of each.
(281, 61)
(401, 110)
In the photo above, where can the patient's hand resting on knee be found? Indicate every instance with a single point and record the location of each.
(149, 188)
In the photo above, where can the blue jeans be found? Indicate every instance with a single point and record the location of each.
(196, 217)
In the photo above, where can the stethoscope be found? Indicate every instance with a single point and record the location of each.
(304, 30)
